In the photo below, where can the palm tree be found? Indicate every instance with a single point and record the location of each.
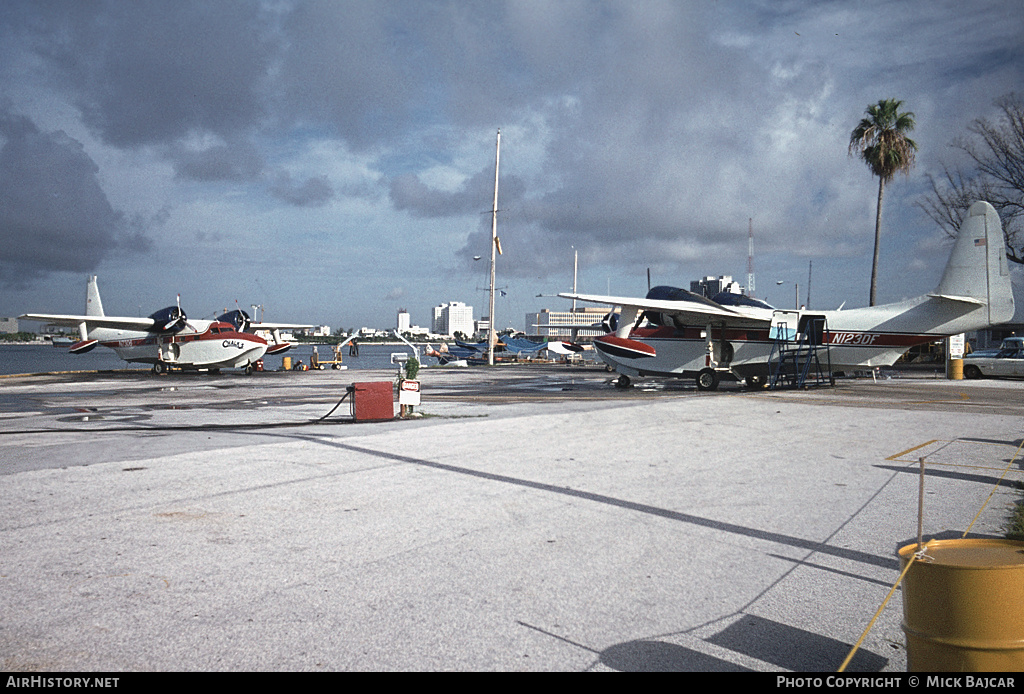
(881, 141)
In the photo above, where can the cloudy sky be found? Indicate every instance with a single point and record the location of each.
(334, 161)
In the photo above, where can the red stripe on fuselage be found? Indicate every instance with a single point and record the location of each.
(851, 338)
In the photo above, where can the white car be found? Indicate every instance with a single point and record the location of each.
(1007, 361)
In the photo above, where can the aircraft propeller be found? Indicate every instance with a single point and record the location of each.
(169, 320)
(238, 318)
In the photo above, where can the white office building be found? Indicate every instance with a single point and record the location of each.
(561, 324)
(453, 317)
(711, 285)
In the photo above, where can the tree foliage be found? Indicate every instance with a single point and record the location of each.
(880, 140)
(996, 149)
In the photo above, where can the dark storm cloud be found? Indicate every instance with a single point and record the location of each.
(353, 65)
(475, 195)
(238, 161)
(313, 192)
(53, 213)
(636, 132)
(151, 72)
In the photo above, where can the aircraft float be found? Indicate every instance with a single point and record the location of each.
(168, 339)
(675, 333)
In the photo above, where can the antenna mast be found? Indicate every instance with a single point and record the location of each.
(750, 258)
(495, 246)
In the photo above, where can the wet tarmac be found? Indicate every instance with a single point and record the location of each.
(529, 518)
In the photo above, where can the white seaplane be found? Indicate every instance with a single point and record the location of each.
(167, 339)
(675, 333)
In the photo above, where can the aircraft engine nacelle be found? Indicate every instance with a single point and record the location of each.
(169, 320)
(610, 322)
(238, 318)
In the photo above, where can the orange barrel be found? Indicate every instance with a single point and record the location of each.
(963, 606)
(956, 369)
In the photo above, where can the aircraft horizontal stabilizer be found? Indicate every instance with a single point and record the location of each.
(959, 299)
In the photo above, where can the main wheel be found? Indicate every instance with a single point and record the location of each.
(756, 381)
(623, 381)
(707, 379)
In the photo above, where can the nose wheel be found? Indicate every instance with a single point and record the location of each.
(707, 379)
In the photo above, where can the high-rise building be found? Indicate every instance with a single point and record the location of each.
(561, 324)
(711, 285)
(453, 317)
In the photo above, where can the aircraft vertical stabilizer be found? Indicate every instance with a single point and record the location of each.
(977, 266)
(93, 305)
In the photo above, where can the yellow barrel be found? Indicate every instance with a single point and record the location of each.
(286, 363)
(956, 369)
(963, 608)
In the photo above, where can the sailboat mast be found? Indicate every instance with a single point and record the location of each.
(494, 249)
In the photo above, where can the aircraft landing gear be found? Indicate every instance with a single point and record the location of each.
(756, 381)
(159, 368)
(623, 382)
(707, 379)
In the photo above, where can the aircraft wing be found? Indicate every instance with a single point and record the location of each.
(280, 326)
(115, 322)
(698, 311)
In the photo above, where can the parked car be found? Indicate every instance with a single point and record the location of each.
(1008, 360)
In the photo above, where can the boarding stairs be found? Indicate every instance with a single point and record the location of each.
(800, 354)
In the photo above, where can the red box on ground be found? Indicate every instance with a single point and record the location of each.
(373, 401)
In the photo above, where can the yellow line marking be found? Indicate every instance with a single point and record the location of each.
(996, 486)
(911, 450)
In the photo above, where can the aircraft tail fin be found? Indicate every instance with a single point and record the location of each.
(93, 304)
(977, 271)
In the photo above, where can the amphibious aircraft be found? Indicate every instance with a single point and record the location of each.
(243, 323)
(475, 353)
(675, 333)
(167, 339)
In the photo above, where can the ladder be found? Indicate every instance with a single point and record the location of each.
(800, 354)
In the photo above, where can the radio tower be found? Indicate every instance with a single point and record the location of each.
(750, 259)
